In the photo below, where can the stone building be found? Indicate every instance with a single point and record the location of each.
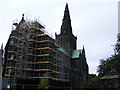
(78, 64)
(30, 53)
(32, 56)
(110, 81)
(79, 69)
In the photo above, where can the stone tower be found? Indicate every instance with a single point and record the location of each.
(78, 63)
(66, 39)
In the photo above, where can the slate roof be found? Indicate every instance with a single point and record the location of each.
(110, 77)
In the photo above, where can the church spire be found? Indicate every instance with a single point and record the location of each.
(66, 22)
(66, 13)
(66, 39)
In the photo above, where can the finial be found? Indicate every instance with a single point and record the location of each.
(66, 7)
(83, 46)
(83, 49)
(66, 3)
(23, 16)
(22, 20)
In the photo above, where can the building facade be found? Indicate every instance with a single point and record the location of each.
(66, 39)
(79, 69)
(32, 56)
(78, 64)
(30, 53)
(110, 81)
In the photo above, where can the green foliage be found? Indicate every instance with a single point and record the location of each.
(109, 66)
(44, 82)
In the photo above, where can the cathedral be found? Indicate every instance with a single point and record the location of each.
(78, 64)
(34, 60)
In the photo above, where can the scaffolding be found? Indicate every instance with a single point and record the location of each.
(30, 53)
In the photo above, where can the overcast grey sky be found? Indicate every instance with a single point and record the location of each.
(94, 22)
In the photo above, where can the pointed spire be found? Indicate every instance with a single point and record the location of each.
(66, 7)
(83, 50)
(66, 13)
(66, 27)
